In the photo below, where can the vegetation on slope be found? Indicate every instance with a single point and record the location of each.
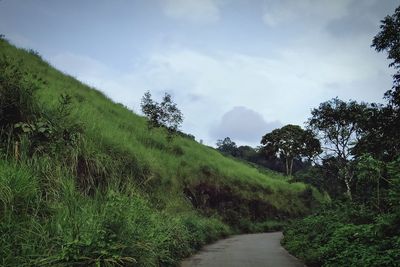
(83, 181)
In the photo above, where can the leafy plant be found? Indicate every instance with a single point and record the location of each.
(16, 94)
(164, 114)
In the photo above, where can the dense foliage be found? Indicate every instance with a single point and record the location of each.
(346, 235)
(363, 232)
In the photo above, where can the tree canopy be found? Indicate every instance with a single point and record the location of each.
(388, 39)
(385, 124)
(337, 123)
(227, 146)
(291, 142)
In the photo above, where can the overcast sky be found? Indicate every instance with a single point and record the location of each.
(236, 68)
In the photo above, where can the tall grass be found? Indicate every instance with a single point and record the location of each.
(108, 229)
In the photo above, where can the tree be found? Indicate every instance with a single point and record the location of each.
(388, 39)
(227, 146)
(165, 114)
(291, 142)
(151, 110)
(386, 123)
(386, 129)
(337, 123)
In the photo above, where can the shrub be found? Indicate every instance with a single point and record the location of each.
(351, 236)
(16, 95)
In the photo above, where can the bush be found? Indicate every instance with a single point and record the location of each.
(351, 236)
(16, 90)
(22, 121)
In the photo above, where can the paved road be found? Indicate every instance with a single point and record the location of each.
(253, 250)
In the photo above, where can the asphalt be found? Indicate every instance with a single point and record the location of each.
(253, 250)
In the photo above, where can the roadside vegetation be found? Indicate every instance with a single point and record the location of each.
(360, 170)
(85, 182)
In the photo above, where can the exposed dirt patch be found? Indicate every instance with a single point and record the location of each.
(230, 205)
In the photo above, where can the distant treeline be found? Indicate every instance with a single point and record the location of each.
(259, 156)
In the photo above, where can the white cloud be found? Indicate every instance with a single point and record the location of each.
(197, 11)
(304, 11)
(205, 86)
(295, 78)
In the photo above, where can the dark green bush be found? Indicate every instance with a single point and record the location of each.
(16, 95)
(346, 235)
(27, 129)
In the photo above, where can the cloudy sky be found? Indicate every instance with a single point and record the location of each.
(236, 68)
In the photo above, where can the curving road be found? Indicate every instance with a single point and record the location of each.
(253, 250)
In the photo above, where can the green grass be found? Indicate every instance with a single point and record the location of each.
(121, 195)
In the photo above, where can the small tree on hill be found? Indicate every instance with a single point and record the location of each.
(290, 142)
(165, 114)
(151, 110)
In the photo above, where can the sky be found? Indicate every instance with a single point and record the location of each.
(237, 68)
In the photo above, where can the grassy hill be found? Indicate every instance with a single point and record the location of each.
(83, 181)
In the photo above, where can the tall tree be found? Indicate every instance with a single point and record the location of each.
(387, 125)
(291, 142)
(337, 123)
(388, 39)
(383, 137)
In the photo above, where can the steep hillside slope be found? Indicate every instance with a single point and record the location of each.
(112, 191)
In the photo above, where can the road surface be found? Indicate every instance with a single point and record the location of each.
(253, 250)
